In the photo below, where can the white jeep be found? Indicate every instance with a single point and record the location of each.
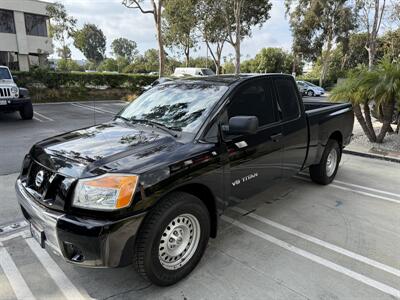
(13, 98)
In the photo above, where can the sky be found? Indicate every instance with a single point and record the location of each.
(117, 21)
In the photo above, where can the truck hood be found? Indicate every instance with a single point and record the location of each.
(101, 148)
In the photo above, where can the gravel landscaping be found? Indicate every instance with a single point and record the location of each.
(391, 142)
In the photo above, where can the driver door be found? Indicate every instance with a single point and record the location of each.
(255, 161)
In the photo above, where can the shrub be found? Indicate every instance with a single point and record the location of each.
(56, 80)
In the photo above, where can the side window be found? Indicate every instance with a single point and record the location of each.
(254, 99)
(288, 100)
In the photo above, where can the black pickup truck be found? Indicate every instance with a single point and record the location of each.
(148, 188)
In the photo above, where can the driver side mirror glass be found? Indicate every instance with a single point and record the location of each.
(242, 125)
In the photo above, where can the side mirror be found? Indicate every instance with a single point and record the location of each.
(15, 78)
(243, 125)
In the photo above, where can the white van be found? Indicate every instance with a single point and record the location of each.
(196, 72)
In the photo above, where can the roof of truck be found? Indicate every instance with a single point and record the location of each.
(227, 79)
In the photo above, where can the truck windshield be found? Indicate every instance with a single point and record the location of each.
(181, 107)
(4, 74)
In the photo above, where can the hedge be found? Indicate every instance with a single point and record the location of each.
(56, 80)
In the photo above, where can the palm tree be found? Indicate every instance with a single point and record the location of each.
(351, 90)
(362, 86)
(383, 85)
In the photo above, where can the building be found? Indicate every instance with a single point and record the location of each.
(24, 34)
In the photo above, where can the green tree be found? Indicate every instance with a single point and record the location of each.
(61, 27)
(390, 44)
(212, 28)
(124, 48)
(380, 84)
(270, 60)
(91, 41)
(68, 65)
(180, 25)
(370, 16)
(318, 24)
(156, 11)
(240, 17)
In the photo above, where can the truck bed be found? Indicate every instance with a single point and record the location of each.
(325, 119)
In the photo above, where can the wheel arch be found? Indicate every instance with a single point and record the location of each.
(207, 197)
(337, 136)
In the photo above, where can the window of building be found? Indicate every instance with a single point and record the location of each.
(254, 99)
(36, 25)
(288, 101)
(9, 59)
(7, 21)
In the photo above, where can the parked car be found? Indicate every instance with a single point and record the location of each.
(13, 98)
(309, 89)
(149, 187)
(156, 82)
(195, 72)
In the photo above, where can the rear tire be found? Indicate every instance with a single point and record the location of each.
(26, 112)
(172, 239)
(326, 170)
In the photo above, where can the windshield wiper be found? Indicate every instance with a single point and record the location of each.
(161, 126)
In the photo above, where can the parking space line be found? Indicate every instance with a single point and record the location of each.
(319, 260)
(366, 188)
(322, 243)
(357, 186)
(97, 109)
(355, 191)
(43, 116)
(37, 119)
(66, 286)
(92, 109)
(23, 234)
(17, 282)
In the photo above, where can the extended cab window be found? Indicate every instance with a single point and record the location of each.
(288, 102)
(254, 99)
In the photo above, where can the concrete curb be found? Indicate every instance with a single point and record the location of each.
(370, 155)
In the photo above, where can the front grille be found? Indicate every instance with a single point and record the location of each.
(39, 186)
(5, 93)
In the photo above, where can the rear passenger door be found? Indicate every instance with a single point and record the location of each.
(294, 125)
(255, 160)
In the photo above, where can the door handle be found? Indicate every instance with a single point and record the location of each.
(276, 137)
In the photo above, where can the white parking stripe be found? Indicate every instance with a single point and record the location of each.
(62, 281)
(306, 176)
(43, 116)
(37, 119)
(317, 241)
(367, 188)
(23, 234)
(87, 107)
(98, 109)
(355, 191)
(322, 261)
(17, 282)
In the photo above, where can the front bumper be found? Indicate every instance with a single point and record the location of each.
(82, 241)
(13, 104)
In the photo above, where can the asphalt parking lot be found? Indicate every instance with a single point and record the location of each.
(297, 240)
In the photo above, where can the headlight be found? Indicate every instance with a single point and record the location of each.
(14, 90)
(107, 192)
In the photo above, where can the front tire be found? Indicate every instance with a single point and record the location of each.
(326, 170)
(172, 239)
(310, 93)
(26, 112)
